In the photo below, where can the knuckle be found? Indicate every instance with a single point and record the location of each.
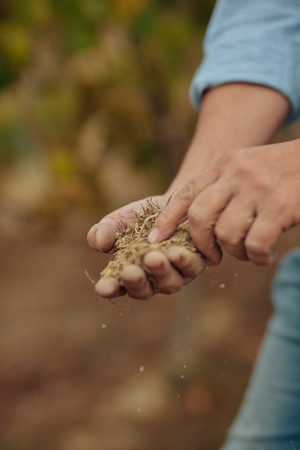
(225, 235)
(187, 192)
(228, 157)
(242, 169)
(262, 185)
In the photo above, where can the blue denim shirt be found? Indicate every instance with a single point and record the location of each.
(256, 41)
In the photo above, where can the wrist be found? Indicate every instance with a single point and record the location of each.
(232, 116)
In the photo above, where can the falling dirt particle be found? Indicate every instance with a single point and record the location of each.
(222, 286)
(235, 274)
(104, 326)
(141, 369)
(184, 366)
(178, 395)
(176, 345)
(190, 350)
(139, 410)
(182, 376)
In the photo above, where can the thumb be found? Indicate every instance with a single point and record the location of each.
(101, 236)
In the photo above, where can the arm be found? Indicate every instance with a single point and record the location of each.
(248, 77)
(232, 116)
(249, 197)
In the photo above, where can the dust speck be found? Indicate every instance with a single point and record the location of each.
(141, 369)
(104, 326)
(222, 286)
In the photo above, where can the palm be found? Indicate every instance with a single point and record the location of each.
(102, 235)
(126, 216)
(170, 271)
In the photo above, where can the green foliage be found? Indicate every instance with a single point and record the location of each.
(125, 64)
(14, 144)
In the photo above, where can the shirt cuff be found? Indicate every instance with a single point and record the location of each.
(273, 64)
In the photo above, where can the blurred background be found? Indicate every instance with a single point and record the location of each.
(94, 113)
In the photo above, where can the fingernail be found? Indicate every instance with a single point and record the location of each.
(152, 238)
(272, 256)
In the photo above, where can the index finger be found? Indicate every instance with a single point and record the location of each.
(176, 211)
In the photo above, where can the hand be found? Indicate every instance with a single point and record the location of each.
(170, 270)
(244, 201)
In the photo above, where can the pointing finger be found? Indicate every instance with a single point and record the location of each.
(176, 211)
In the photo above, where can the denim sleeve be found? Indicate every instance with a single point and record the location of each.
(254, 41)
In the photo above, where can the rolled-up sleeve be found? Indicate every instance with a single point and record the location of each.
(254, 41)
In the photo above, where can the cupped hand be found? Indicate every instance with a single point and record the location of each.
(170, 270)
(244, 201)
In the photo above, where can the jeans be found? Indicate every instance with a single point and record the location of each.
(269, 418)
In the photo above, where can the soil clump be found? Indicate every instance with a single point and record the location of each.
(132, 244)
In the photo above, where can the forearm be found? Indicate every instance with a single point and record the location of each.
(232, 116)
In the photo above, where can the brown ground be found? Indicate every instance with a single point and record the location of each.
(74, 375)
